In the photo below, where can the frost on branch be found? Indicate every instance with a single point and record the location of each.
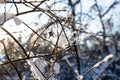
(41, 69)
(103, 69)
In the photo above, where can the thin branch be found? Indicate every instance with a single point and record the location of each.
(2, 77)
(40, 71)
(18, 73)
(20, 2)
(15, 6)
(103, 27)
(15, 40)
(7, 72)
(40, 55)
(110, 7)
(54, 50)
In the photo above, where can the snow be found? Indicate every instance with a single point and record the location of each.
(8, 16)
(62, 41)
(107, 58)
(56, 68)
(40, 64)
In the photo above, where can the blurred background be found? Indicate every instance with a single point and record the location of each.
(59, 40)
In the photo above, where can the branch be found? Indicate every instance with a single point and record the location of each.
(18, 73)
(110, 7)
(15, 40)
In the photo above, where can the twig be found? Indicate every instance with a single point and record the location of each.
(18, 73)
(15, 40)
(7, 72)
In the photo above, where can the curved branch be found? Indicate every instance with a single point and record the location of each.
(15, 40)
(18, 73)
